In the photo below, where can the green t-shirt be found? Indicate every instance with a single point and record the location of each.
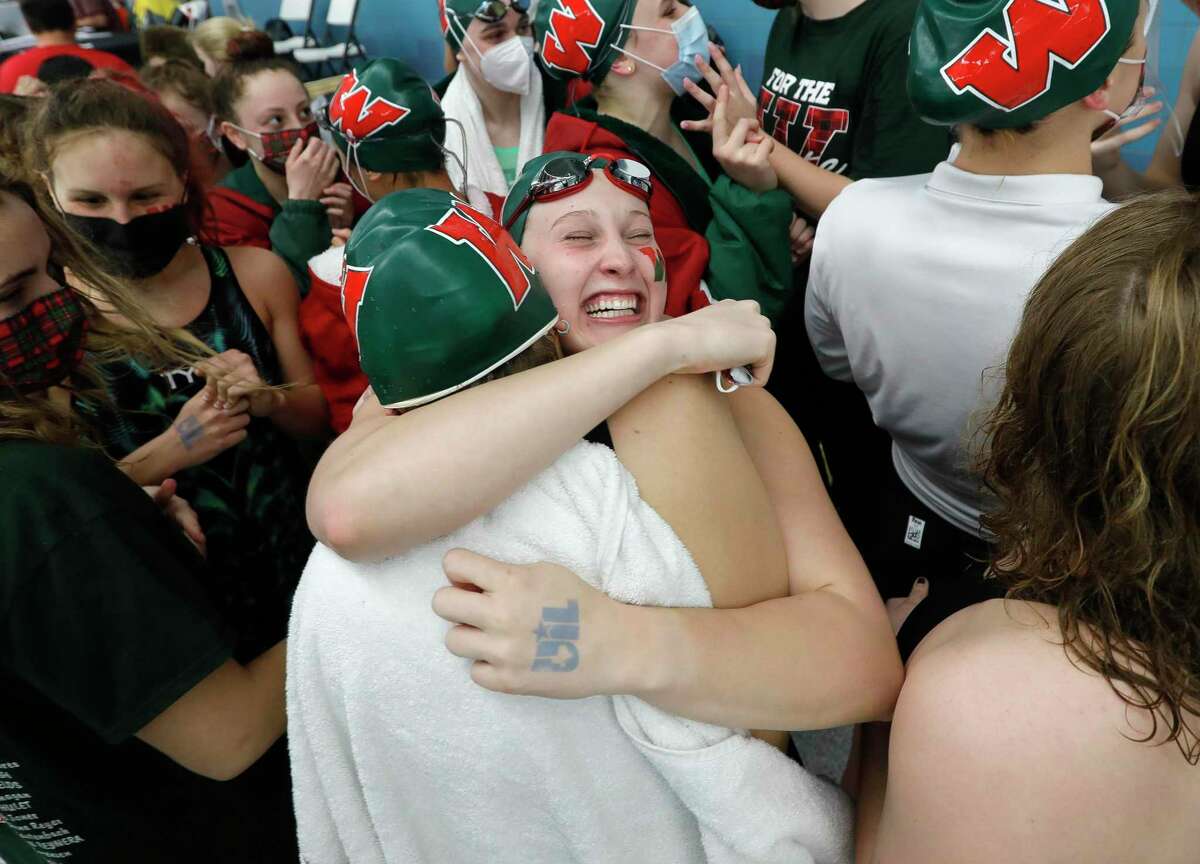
(507, 156)
(105, 624)
(834, 91)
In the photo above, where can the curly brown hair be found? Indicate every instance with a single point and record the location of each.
(1094, 456)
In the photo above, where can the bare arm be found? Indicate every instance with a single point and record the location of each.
(442, 459)
(198, 433)
(682, 445)
(824, 656)
(812, 187)
(224, 724)
(872, 786)
(302, 412)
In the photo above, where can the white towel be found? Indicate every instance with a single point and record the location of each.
(752, 802)
(483, 168)
(398, 757)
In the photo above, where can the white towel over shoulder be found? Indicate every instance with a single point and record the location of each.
(398, 757)
(483, 168)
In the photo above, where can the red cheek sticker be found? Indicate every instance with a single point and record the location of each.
(158, 208)
(660, 266)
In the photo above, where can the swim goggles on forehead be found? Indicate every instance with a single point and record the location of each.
(491, 11)
(568, 175)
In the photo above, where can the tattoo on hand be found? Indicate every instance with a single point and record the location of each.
(557, 633)
(190, 431)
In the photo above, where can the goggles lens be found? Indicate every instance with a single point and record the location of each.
(559, 176)
(491, 11)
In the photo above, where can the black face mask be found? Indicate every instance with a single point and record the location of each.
(141, 247)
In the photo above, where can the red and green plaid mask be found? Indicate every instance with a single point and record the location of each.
(41, 344)
(277, 145)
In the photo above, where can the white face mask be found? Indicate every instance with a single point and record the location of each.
(507, 66)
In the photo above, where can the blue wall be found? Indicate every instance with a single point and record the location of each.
(409, 29)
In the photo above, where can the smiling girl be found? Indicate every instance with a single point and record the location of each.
(820, 657)
(717, 212)
(397, 755)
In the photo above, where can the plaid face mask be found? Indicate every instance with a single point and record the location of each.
(277, 145)
(41, 344)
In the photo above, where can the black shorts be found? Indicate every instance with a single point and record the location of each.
(907, 540)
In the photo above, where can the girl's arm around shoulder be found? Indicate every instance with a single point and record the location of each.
(823, 656)
(443, 458)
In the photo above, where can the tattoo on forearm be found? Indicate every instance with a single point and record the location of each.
(556, 637)
(190, 431)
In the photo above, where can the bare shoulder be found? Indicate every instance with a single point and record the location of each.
(1002, 749)
(265, 279)
(757, 411)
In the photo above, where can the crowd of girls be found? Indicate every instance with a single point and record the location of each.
(502, 475)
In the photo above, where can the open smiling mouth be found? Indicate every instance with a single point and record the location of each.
(609, 306)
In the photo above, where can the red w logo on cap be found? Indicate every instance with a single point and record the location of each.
(358, 114)
(354, 286)
(1010, 72)
(573, 27)
(465, 225)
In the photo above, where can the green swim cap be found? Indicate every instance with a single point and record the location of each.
(998, 64)
(437, 295)
(390, 116)
(577, 37)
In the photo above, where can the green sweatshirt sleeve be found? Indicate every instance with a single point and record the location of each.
(750, 254)
(300, 231)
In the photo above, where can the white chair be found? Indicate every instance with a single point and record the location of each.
(296, 10)
(342, 13)
(234, 11)
(193, 12)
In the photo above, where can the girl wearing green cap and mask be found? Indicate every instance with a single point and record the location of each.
(585, 224)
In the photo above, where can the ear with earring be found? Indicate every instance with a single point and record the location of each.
(563, 327)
